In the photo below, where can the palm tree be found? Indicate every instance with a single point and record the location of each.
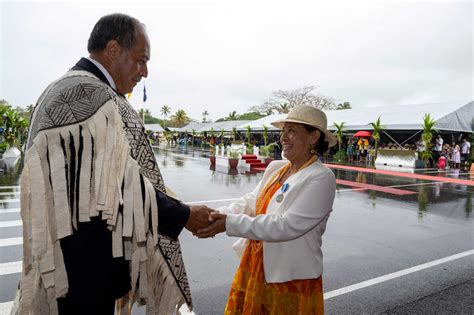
(204, 116)
(265, 135)
(338, 133)
(180, 118)
(248, 133)
(427, 136)
(283, 108)
(165, 111)
(16, 129)
(234, 133)
(232, 116)
(222, 137)
(377, 126)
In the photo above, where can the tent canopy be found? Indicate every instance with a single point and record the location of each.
(154, 127)
(451, 116)
(216, 126)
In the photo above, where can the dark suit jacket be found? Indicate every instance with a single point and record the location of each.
(94, 276)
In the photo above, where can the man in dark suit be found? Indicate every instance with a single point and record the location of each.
(119, 50)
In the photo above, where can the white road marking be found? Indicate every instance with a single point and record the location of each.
(9, 210)
(9, 187)
(397, 274)
(15, 267)
(9, 200)
(11, 241)
(10, 223)
(10, 268)
(8, 193)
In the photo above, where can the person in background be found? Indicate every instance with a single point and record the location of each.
(465, 151)
(438, 148)
(350, 150)
(456, 155)
(281, 223)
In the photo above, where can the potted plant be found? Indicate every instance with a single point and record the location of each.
(427, 136)
(249, 145)
(266, 152)
(234, 156)
(340, 154)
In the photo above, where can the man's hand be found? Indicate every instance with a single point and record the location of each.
(199, 218)
(217, 226)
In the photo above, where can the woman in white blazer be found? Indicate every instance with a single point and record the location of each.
(281, 223)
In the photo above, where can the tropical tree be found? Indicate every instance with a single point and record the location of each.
(221, 136)
(283, 100)
(377, 129)
(340, 154)
(180, 118)
(165, 111)
(283, 108)
(248, 133)
(345, 105)
(427, 136)
(338, 133)
(265, 135)
(234, 133)
(232, 116)
(205, 114)
(16, 128)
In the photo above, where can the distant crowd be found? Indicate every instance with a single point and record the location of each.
(454, 156)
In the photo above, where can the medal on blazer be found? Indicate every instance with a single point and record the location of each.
(284, 188)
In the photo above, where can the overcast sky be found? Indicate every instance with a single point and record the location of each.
(222, 55)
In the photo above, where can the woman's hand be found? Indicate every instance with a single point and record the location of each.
(217, 226)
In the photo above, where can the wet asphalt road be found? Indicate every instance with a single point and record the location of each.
(369, 235)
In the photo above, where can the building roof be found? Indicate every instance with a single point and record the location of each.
(449, 116)
(154, 127)
(216, 126)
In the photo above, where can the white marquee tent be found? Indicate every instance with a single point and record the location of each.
(452, 116)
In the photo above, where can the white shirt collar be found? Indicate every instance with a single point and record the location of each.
(104, 71)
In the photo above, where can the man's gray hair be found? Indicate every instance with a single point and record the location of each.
(117, 26)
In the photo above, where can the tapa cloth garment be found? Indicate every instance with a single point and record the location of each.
(87, 153)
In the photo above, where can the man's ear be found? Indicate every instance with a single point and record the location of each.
(113, 49)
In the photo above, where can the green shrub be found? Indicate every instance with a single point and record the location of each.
(340, 156)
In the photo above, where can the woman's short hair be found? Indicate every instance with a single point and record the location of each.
(117, 26)
(322, 146)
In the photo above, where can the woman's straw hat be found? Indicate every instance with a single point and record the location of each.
(308, 115)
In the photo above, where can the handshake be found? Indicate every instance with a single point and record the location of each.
(205, 222)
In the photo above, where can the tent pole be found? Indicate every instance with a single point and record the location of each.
(411, 136)
(392, 139)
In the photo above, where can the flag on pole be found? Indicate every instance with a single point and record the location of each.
(144, 94)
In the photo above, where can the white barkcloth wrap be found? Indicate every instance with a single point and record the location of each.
(74, 170)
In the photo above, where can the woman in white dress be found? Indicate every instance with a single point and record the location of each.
(456, 157)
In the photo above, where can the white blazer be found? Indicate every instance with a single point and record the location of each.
(291, 230)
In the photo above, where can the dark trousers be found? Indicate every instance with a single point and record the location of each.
(95, 278)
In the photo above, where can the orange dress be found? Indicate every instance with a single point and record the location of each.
(251, 295)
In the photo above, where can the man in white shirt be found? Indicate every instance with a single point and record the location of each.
(439, 144)
(465, 150)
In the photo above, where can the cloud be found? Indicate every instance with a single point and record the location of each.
(222, 56)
